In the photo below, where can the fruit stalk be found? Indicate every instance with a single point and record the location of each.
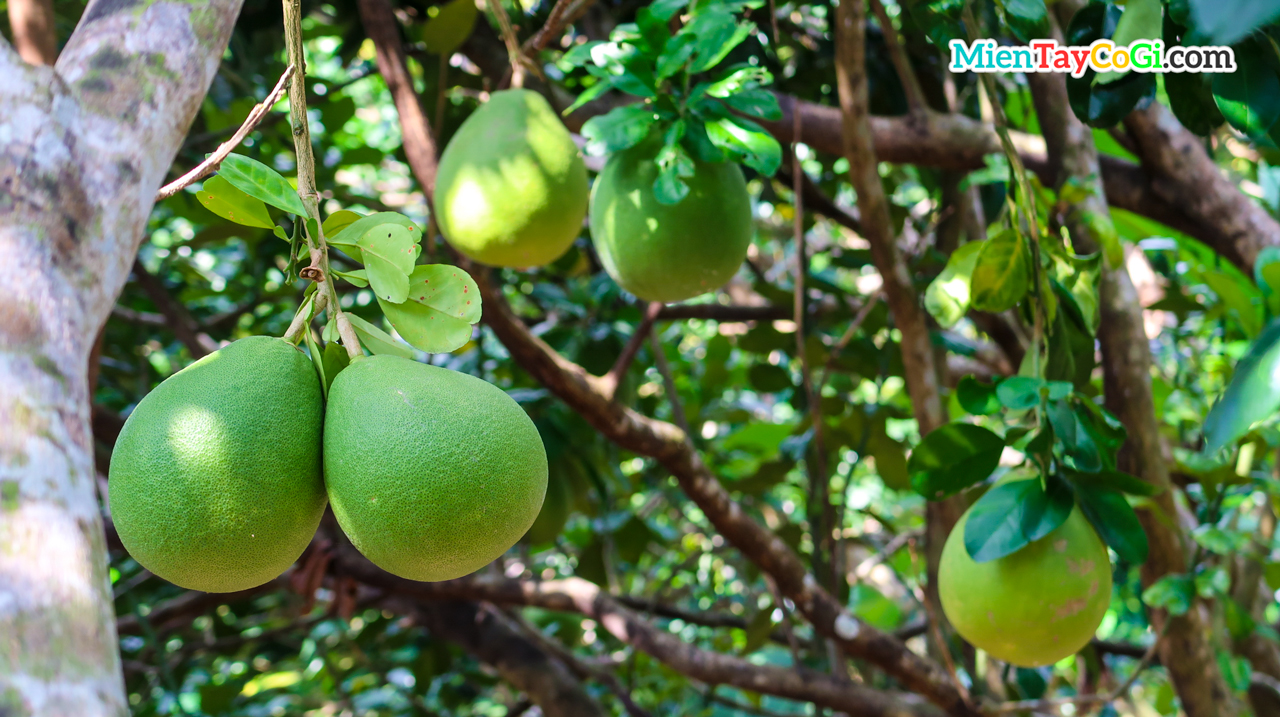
(306, 161)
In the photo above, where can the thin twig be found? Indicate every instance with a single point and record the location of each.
(669, 384)
(849, 333)
(210, 164)
(614, 378)
(901, 63)
(561, 17)
(516, 57)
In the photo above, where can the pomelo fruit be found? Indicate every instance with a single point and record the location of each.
(1036, 606)
(432, 473)
(512, 187)
(215, 480)
(674, 252)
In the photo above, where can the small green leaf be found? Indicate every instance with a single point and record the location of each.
(1240, 298)
(1114, 480)
(1001, 275)
(666, 9)
(1081, 450)
(348, 237)
(758, 148)
(445, 33)
(601, 86)
(1027, 18)
(317, 360)
(222, 198)
(258, 180)
(674, 55)
(947, 298)
(1174, 593)
(1249, 98)
(1115, 521)
(622, 128)
(717, 32)
(1252, 395)
(977, 397)
(279, 233)
(756, 102)
(338, 221)
(674, 165)
(952, 458)
(360, 277)
(378, 342)
(1142, 20)
(1020, 393)
(335, 359)
(388, 252)
(443, 303)
(1014, 514)
(1225, 21)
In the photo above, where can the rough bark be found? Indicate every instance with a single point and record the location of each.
(1185, 651)
(576, 595)
(34, 35)
(87, 143)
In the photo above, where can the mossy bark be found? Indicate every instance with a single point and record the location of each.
(84, 147)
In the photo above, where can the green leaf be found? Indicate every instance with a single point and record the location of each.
(1020, 393)
(756, 102)
(1174, 593)
(443, 304)
(1103, 105)
(1001, 275)
(653, 30)
(717, 32)
(445, 33)
(1142, 20)
(622, 128)
(1226, 21)
(1249, 98)
(601, 86)
(335, 359)
(1191, 99)
(1265, 273)
(739, 79)
(666, 9)
(317, 360)
(1014, 514)
(675, 54)
(1114, 480)
(977, 397)
(360, 277)
(338, 221)
(758, 148)
(258, 180)
(222, 198)
(389, 253)
(1252, 395)
(378, 342)
(348, 237)
(873, 608)
(1115, 521)
(1239, 298)
(947, 298)
(1028, 19)
(758, 630)
(767, 378)
(952, 458)
(1081, 449)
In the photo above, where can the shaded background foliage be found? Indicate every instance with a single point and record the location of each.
(320, 641)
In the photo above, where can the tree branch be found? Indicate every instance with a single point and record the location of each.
(176, 316)
(614, 378)
(34, 35)
(211, 164)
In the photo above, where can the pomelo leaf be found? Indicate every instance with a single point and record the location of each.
(1249, 98)
(445, 33)
(1001, 275)
(442, 305)
(947, 297)
(977, 397)
(1080, 447)
(377, 340)
(348, 237)
(1116, 523)
(335, 359)
(1014, 514)
(952, 458)
(360, 278)
(1019, 393)
(758, 148)
(222, 198)
(317, 360)
(338, 221)
(388, 252)
(1252, 395)
(258, 180)
(1142, 19)
(622, 128)
(1114, 480)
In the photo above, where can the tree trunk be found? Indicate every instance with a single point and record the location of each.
(86, 145)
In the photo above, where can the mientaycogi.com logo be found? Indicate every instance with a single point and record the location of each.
(1101, 56)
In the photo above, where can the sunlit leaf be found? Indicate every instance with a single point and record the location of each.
(258, 180)
(443, 302)
(222, 198)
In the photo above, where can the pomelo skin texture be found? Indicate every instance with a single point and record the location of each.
(512, 187)
(1036, 606)
(672, 252)
(215, 481)
(432, 473)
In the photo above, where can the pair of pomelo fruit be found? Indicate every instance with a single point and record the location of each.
(221, 474)
(512, 191)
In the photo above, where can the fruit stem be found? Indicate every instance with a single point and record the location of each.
(306, 161)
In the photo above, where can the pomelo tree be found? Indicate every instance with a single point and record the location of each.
(1044, 300)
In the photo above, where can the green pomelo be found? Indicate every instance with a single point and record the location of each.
(432, 473)
(1036, 606)
(663, 252)
(512, 186)
(215, 480)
